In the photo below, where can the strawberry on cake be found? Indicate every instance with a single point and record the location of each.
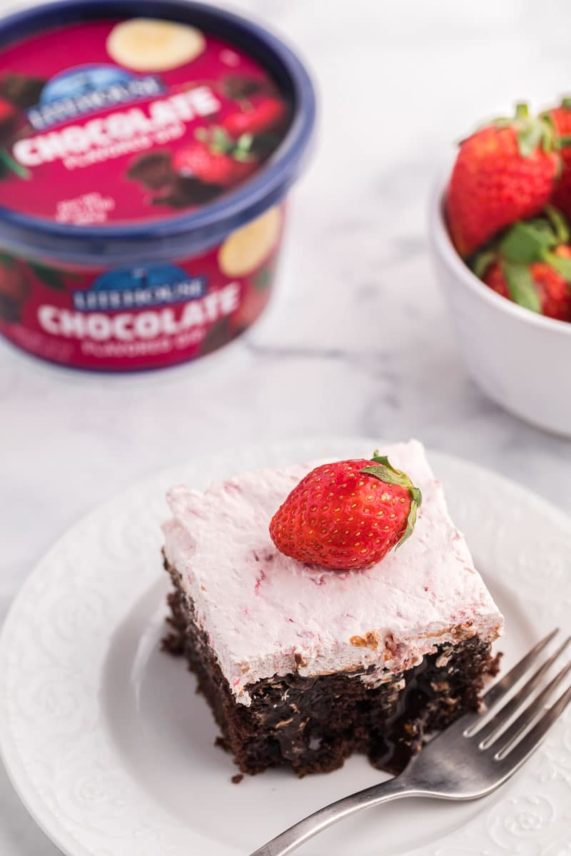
(328, 609)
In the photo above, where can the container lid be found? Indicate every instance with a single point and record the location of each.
(139, 128)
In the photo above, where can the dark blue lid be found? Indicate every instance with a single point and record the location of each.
(180, 235)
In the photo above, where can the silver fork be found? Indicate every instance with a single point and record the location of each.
(471, 758)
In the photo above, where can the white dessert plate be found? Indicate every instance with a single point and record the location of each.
(112, 751)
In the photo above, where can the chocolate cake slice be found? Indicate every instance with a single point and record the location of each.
(303, 667)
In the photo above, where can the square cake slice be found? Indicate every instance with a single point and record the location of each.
(304, 666)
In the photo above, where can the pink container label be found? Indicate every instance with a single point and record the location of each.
(110, 122)
(123, 121)
(143, 317)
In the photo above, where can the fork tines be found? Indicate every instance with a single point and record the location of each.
(516, 722)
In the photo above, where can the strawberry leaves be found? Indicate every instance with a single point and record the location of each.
(527, 243)
(383, 470)
(530, 137)
(532, 133)
(558, 224)
(482, 261)
(561, 265)
(521, 286)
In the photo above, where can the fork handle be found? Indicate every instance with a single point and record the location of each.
(301, 832)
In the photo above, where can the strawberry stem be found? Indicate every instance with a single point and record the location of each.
(383, 470)
(531, 132)
(558, 223)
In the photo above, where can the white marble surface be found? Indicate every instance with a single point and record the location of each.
(357, 340)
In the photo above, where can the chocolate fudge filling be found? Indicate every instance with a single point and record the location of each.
(312, 724)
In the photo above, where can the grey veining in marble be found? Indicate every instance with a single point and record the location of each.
(357, 340)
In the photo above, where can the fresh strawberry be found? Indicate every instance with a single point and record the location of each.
(551, 294)
(531, 265)
(215, 158)
(347, 515)
(256, 118)
(561, 118)
(503, 173)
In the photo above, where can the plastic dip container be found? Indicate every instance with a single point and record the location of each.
(146, 149)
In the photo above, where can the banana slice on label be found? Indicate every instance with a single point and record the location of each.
(148, 44)
(246, 248)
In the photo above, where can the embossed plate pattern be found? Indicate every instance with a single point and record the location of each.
(112, 751)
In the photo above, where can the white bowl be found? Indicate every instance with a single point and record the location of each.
(522, 360)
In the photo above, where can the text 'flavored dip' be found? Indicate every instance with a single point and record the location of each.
(145, 153)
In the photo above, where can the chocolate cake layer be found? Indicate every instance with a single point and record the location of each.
(314, 723)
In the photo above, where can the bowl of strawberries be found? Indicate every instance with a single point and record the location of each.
(500, 232)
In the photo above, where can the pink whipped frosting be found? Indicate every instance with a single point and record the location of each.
(266, 614)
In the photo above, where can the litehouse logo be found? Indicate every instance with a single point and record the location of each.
(121, 132)
(137, 288)
(89, 88)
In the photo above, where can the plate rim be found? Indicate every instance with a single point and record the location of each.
(23, 784)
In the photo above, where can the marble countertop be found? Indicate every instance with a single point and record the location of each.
(357, 340)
